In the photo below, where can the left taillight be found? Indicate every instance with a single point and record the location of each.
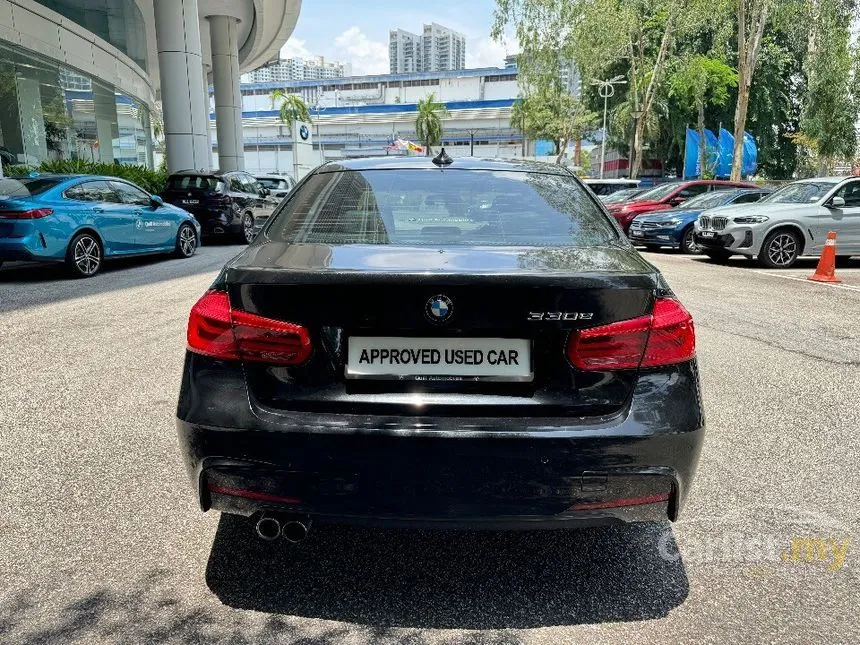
(35, 213)
(217, 330)
(665, 337)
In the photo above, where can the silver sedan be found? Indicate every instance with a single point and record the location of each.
(791, 222)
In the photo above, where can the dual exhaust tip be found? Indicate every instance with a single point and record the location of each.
(292, 529)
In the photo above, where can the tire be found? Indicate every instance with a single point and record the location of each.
(85, 255)
(780, 250)
(247, 234)
(688, 242)
(717, 256)
(186, 241)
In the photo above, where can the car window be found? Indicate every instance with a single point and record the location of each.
(271, 183)
(659, 192)
(457, 207)
(202, 182)
(235, 183)
(850, 192)
(130, 194)
(707, 200)
(93, 191)
(26, 186)
(692, 191)
(801, 192)
(748, 198)
(251, 185)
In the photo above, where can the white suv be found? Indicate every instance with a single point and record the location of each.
(791, 222)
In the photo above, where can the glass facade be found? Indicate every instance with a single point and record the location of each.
(50, 112)
(119, 22)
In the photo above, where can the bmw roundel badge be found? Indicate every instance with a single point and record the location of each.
(439, 309)
(304, 133)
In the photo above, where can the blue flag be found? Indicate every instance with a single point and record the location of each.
(691, 155)
(712, 152)
(726, 152)
(750, 163)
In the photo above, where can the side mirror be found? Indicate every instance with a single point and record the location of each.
(837, 202)
(675, 201)
(156, 201)
(265, 192)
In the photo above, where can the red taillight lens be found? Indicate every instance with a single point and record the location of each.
(36, 213)
(214, 329)
(665, 337)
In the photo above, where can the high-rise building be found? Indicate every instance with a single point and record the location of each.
(437, 49)
(298, 69)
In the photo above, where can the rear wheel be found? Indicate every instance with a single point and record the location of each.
(248, 234)
(688, 242)
(717, 255)
(84, 255)
(186, 241)
(780, 250)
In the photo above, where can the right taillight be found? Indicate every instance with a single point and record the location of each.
(666, 336)
(215, 329)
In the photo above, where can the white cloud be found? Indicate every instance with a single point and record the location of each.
(486, 52)
(295, 48)
(367, 56)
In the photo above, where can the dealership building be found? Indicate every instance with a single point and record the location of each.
(364, 115)
(80, 78)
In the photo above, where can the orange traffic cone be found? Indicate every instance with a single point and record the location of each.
(826, 270)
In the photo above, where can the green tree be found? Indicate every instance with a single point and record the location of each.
(428, 124)
(598, 35)
(830, 112)
(700, 81)
(550, 113)
(292, 107)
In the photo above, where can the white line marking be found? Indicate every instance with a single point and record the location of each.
(847, 287)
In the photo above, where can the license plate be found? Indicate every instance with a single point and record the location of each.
(191, 202)
(434, 359)
(707, 234)
(637, 233)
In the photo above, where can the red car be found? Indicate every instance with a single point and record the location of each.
(667, 196)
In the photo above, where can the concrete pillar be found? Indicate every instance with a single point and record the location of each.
(228, 97)
(107, 126)
(177, 33)
(208, 108)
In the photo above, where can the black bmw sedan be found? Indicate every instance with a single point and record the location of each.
(466, 343)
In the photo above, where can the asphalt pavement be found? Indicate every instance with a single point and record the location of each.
(101, 540)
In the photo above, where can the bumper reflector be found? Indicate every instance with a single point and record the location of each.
(617, 503)
(250, 494)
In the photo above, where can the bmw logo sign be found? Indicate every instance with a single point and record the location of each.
(439, 309)
(304, 133)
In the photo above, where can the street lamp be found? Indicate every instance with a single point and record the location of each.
(606, 89)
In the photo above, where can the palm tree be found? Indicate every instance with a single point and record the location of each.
(293, 108)
(428, 125)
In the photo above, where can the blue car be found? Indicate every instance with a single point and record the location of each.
(83, 220)
(674, 227)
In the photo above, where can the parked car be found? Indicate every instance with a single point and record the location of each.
(625, 195)
(225, 203)
(791, 222)
(389, 351)
(277, 185)
(667, 196)
(675, 227)
(606, 187)
(83, 219)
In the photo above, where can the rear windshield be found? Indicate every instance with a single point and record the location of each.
(272, 184)
(184, 182)
(26, 187)
(452, 207)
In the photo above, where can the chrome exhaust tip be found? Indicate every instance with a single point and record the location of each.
(296, 531)
(268, 528)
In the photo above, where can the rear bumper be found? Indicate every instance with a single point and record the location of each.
(535, 472)
(24, 249)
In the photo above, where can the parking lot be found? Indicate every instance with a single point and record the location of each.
(103, 543)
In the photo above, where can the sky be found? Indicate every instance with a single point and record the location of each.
(356, 31)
